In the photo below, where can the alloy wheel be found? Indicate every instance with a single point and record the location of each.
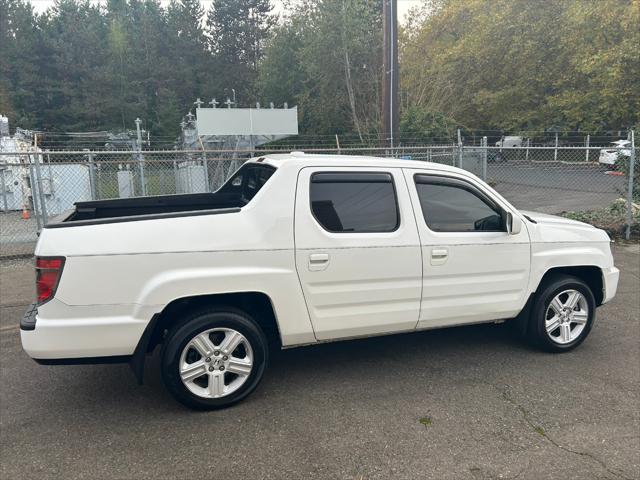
(566, 316)
(216, 362)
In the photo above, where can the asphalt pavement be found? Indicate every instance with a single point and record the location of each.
(556, 188)
(461, 403)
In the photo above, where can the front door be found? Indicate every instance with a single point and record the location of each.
(474, 270)
(357, 251)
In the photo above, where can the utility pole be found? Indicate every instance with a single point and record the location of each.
(390, 66)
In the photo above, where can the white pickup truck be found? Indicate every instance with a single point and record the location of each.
(298, 249)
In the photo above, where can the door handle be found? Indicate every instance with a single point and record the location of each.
(439, 256)
(318, 261)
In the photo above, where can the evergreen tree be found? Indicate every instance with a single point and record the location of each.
(187, 51)
(237, 31)
(19, 70)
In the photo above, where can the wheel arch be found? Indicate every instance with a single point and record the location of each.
(590, 274)
(256, 304)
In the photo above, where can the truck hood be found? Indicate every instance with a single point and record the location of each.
(552, 228)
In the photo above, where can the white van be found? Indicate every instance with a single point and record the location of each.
(509, 142)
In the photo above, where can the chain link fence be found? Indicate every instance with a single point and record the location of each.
(36, 186)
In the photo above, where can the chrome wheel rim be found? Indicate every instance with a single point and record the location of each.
(216, 362)
(566, 316)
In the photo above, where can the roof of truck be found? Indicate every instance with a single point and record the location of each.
(300, 159)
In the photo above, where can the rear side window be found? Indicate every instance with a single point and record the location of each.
(354, 202)
(451, 205)
(247, 181)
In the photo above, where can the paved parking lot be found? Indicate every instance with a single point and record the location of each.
(556, 188)
(465, 403)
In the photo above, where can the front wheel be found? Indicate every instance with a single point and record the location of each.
(563, 314)
(214, 359)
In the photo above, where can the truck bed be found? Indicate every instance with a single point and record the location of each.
(230, 198)
(128, 207)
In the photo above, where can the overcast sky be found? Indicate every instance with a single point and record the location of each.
(403, 5)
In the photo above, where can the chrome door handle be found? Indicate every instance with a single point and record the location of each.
(439, 256)
(318, 261)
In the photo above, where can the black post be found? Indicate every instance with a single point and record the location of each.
(390, 80)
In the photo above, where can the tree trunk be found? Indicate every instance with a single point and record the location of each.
(352, 99)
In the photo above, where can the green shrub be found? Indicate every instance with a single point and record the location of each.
(612, 219)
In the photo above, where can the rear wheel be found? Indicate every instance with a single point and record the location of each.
(563, 314)
(214, 359)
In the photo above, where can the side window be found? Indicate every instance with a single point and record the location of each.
(354, 202)
(451, 205)
(246, 182)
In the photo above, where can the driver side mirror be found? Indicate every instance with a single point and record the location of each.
(514, 224)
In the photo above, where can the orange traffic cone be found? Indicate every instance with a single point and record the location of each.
(25, 213)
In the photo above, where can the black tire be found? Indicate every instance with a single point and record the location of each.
(196, 323)
(551, 287)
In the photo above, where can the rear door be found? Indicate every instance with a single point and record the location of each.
(357, 251)
(474, 270)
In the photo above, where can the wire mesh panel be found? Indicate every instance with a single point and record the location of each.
(35, 186)
(554, 181)
(19, 223)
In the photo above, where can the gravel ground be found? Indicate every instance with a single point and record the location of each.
(462, 403)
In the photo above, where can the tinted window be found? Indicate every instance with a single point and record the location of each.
(354, 202)
(247, 181)
(454, 206)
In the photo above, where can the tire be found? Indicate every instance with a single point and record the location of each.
(573, 325)
(217, 374)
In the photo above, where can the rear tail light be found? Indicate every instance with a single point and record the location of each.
(48, 273)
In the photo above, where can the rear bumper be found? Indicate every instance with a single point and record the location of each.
(610, 278)
(28, 320)
(607, 160)
(79, 340)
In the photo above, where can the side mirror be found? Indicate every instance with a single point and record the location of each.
(514, 224)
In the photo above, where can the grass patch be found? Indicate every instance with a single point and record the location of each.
(426, 421)
(540, 431)
(612, 219)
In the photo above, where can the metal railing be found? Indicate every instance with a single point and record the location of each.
(36, 186)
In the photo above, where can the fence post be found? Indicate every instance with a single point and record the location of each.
(34, 196)
(459, 150)
(555, 150)
(175, 174)
(4, 190)
(43, 204)
(586, 157)
(143, 187)
(92, 178)
(205, 166)
(632, 161)
(140, 157)
(484, 158)
(526, 155)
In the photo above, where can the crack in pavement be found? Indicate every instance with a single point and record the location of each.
(478, 473)
(540, 431)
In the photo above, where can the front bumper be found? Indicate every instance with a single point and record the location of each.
(610, 277)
